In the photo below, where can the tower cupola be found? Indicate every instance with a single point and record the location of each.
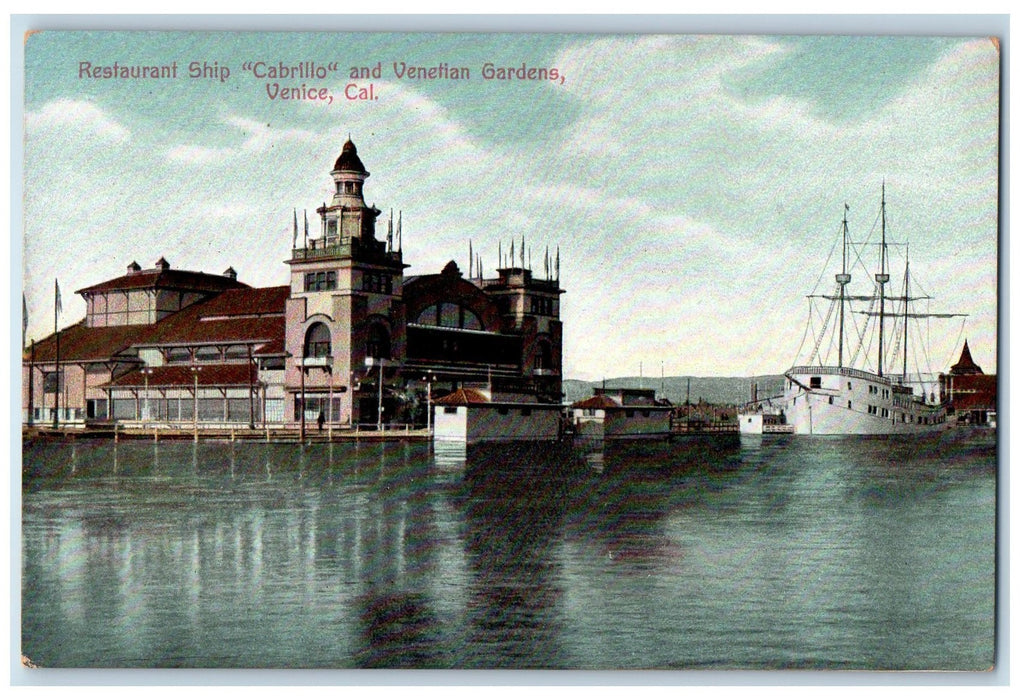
(349, 174)
(347, 217)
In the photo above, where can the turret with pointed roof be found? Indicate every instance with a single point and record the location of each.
(966, 364)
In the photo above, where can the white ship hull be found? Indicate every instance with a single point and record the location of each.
(844, 401)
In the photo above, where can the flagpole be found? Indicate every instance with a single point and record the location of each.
(56, 331)
(31, 385)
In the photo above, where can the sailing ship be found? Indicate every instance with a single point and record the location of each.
(854, 397)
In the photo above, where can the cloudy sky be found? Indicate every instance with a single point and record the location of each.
(694, 184)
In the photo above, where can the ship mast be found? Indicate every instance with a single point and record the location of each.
(881, 277)
(842, 279)
(906, 312)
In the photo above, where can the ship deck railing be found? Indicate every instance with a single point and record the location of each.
(843, 371)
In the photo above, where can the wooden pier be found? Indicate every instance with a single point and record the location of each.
(276, 434)
(684, 427)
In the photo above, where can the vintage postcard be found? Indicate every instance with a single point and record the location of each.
(509, 351)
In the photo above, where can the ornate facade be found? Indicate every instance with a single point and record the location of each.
(351, 340)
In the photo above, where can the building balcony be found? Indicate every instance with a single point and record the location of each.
(352, 248)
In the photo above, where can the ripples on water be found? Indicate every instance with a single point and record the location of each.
(701, 553)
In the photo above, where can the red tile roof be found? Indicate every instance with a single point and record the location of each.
(236, 315)
(274, 348)
(81, 344)
(597, 401)
(239, 374)
(462, 397)
(172, 279)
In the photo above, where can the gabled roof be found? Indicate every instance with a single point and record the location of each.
(166, 278)
(462, 397)
(233, 316)
(597, 401)
(239, 374)
(236, 315)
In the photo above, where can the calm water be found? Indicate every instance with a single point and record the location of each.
(782, 553)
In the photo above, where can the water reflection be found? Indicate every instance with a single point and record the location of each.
(450, 456)
(398, 630)
(693, 553)
(518, 500)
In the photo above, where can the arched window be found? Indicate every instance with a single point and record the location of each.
(543, 355)
(317, 341)
(378, 341)
(449, 315)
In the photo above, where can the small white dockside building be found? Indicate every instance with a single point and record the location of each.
(475, 415)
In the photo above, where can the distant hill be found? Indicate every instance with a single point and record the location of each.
(716, 390)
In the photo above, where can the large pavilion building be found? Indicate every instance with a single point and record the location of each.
(351, 339)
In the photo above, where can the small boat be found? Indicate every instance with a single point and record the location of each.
(762, 420)
(859, 395)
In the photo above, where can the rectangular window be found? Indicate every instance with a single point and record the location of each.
(816, 382)
(274, 410)
(376, 282)
(449, 409)
(320, 281)
(541, 306)
(50, 382)
(236, 352)
(207, 354)
(124, 409)
(178, 355)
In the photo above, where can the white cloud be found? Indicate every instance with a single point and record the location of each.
(760, 177)
(258, 137)
(84, 119)
(691, 218)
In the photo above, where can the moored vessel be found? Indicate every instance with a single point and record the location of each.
(858, 394)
